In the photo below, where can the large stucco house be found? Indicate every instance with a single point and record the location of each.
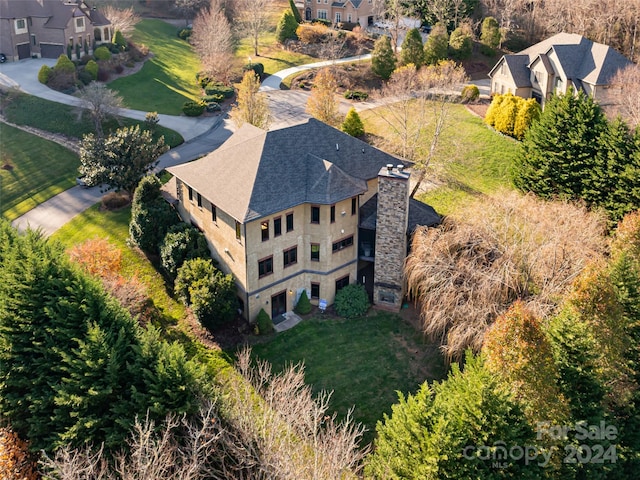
(556, 64)
(306, 207)
(44, 28)
(352, 11)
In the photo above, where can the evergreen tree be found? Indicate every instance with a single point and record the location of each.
(412, 49)
(558, 151)
(352, 124)
(151, 215)
(461, 43)
(528, 112)
(437, 45)
(445, 431)
(182, 242)
(383, 60)
(490, 34)
(295, 11)
(286, 27)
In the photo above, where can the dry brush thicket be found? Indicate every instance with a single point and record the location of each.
(468, 271)
(271, 428)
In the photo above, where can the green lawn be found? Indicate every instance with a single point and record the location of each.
(364, 361)
(23, 109)
(168, 79)
(32, 170)
(472, 160)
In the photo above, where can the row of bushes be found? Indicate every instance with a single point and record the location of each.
(512, 115)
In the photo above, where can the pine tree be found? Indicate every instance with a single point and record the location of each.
(558, 151)
(437, 45)
(252, 107)
(461, 43)
(412, 49)
(383, 60)
(490, 34)
(181, 243)
(352, 124)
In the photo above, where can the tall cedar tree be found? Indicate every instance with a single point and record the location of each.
(383, 60)
(295, 11)
(428, 435)
(461, 43)
(151, 215)
(322, 103)
(252, 107)
(558, 151)
(121, 159)
(353, 124)
(412, 49)
(490, 35)
(437, 45)
(74, 367)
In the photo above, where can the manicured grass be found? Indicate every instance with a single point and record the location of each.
(272, 55)
(471, 160)
(168, 79)
(32, 171)
(364, 361)
(23, 109)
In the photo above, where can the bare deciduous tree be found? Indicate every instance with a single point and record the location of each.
(625, 95)
(322, 103)
(100, 102)
(212, 39)
(252, 106)
(123, 20)
(253, 16)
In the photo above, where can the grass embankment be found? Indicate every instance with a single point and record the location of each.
(364, 361)
(471, 160)
(168, 79)
(54, 117)
(32, 170)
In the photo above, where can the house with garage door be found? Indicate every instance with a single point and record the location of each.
(555, 65)
(306, 207)
(47, 28)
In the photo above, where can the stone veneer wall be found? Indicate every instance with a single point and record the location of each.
(391, 237)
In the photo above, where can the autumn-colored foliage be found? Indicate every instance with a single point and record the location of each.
(16, 462)
(97, 257)
(627, 237)
(517, 350)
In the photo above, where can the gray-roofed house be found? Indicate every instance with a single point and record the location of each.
(351, 11)
(556, 64)
(306, 207)
(47, 28)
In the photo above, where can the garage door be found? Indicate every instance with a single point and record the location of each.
(24, 51)
(51, 51)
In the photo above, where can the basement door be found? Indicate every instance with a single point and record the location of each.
(278, 304)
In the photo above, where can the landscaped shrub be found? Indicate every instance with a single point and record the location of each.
(120, 41)
(257, 68)
(193, 109)
(92, 68)
(528, 111)
(470, 93)
(264, 323)
(65, 65)
(85, 77)
(322, 21)
(217, 97)
(303, 306)
(286, 28)
(103, 74)
(62, 81)
(213, 107)
(118, 68)
(209, 293)
(347, 26)
(185, 33)
(352, 301)
(102, 53)
(460, 43)
(203, 79)
(182, 242)
(137, 53)
(512, 115)
(44, 73)
(352, 124)
(311, 33)
(218, 88)
(356, 95)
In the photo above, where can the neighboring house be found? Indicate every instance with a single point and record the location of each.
(45, 28)
(306, 207)
(352, 11)
(556, 64)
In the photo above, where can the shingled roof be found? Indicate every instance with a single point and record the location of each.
(58, 12)
(420, 214)
(580, 59)
(257, 173)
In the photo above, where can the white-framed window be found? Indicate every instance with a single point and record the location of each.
(20, 25)
(80, 24)
(326, 1)
(349, 17)
(338, 17)
(322, 14)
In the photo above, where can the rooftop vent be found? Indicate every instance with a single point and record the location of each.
(389, 167)
(337, 147)
(400, 168)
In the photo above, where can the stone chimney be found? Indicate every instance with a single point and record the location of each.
(391, 237)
